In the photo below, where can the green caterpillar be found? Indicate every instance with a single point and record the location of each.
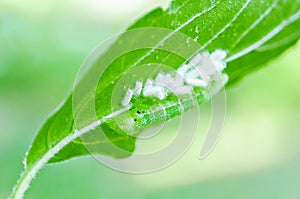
(171, 94)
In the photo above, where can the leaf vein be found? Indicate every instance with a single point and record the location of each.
(174, 32)
(227, 26)
(260, 19)
(266, 38)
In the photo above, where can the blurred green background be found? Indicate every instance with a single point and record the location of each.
(42, 44)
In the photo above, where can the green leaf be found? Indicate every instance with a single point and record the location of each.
(252, 32)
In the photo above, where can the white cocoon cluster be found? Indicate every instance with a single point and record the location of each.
(199, 72)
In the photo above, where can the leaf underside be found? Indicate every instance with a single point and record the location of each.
(229, 25)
